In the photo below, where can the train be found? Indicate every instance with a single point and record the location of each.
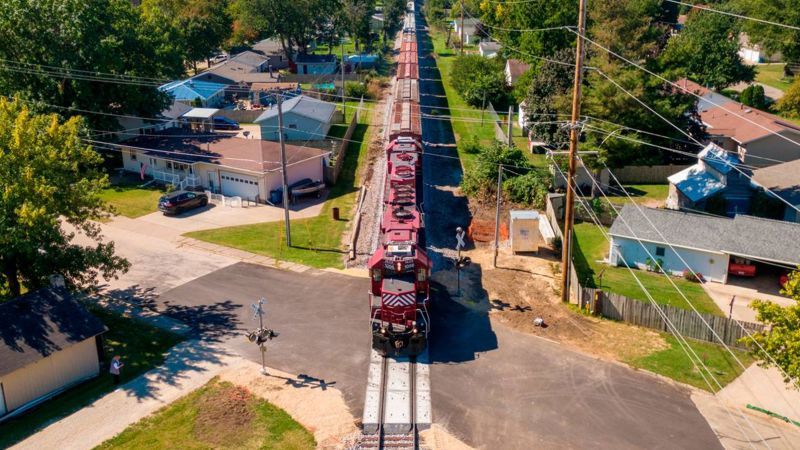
(400, 270)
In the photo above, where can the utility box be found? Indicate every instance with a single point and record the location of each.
(525, 233)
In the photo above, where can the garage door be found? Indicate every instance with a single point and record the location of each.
(236, 185)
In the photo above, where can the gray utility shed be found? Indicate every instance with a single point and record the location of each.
(49, 343)
(304, 119)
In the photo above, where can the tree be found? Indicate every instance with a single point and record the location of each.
(77, 53)
(200, 25)
(772, 38)
(790, 102)
(356, 14)
(547, 98)
(393, 11)
(49, 183)
(626, 27)
(478, 80)
(754, 96)
(706, 51)
(781, 339)
(481, 176)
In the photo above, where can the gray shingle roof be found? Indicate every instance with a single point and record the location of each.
(771, 240)
(41, 323)
(782, 179)
(303, 106)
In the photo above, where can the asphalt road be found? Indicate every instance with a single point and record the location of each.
(321, 318)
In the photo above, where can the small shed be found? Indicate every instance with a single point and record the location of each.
(200, 119)
(525, 233)
(49, 343)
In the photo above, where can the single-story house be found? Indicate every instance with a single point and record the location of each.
(49, 343)
(240, 72)
(706, 243)
(273, 51)
(761, 139)
(753, 53)
(515, 69)
(488, 49)
(131, 126)
(784, 181)
(714, 174)
(304, 118)
(210, 94)
(472, 30)
(220, 163)
(314, 64)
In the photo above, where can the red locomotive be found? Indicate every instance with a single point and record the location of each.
(400, 269)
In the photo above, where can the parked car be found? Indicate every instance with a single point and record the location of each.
(223, 123)
(180, 201)
(216, 59)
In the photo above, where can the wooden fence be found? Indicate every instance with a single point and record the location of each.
(499, 133)
(333, 169)
(687, 322)
(647, 174)
(554, 211)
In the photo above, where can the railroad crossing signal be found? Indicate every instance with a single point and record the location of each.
(261, 335)
(460, 239)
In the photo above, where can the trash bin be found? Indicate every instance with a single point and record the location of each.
(335, 212)
(276, 196)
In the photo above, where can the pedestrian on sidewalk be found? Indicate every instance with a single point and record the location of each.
(116, 364)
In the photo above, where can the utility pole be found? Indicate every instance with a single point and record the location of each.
(283, 172)
(510, 126)
(344, 105)
(497, 213)
(566, 245)
(461, 39)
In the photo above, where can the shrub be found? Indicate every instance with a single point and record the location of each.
(356, 90)
(688, 275)
(529, 189)
(476, 79)
(754, 96)
(482, 176)
(469, 145)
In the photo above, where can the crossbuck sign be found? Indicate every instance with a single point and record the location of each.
(460, 238)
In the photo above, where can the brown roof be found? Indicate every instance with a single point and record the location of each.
(270, 86)
(517, 68)
(742, 123)
(254, 155)
(691, 86)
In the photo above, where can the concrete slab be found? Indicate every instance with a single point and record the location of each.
(372, 400)
(765, 389)
(397, 401)
(745, 294)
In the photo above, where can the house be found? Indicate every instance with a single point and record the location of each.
(488, 49)
(49, 343)
(240, 72)
(515, 69)
(304, 118)
(761, 139)
(272, 49)
(376, 22)
(784, 181)
(196, 92)
(472, 30)
(314, 64)
(521, 119)
(753, 53)
(717, 173)
(220, 163)
(708, 244)
(132, 126)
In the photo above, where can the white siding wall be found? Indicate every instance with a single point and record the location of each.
(295, 128)
(306, 169)
(74, 364)
(713, 266)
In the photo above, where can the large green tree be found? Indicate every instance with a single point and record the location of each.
(49, 186)
(706, 51)
(79, 53)
(356, 15)
(781, 340)
(773, 38)
(790, 102)
(200, 26)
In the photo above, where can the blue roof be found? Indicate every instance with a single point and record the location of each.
(362, 58)
(695, 183)
(315, 59)
(192, 89)
(718, 158)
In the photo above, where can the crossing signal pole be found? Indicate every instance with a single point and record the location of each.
(574, 135)
(283, 172)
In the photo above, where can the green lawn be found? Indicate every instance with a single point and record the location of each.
(591, 247)
(141, 346)
(674, 363)
(129, 199)
(316, 241)
(465, 119)
(772, 75)
(219, 415)
(640, 193)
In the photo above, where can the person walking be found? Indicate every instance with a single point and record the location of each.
(116, 365)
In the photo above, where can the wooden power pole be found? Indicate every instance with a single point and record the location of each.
(574, 135)
(283, 172)
(461, 35)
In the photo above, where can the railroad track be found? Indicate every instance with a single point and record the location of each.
(397, 404)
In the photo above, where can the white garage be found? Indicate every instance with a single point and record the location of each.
(238, 185)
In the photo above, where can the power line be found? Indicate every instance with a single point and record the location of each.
(738, 16)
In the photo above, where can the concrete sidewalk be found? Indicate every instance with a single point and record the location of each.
(188, 366)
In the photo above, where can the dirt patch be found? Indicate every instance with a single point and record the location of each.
(437, 438)
(523, 288)
(225, 416)
(318, 407)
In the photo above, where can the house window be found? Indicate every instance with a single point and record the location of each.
(133, 155)
(660, 251)
(293, 126)
(153, 162)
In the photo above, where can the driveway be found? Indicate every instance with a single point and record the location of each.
(769, 91)
(745, 292)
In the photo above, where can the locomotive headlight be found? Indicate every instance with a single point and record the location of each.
(414, 331)
(383, 330)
